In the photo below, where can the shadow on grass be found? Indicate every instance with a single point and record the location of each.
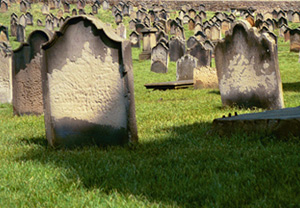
(294, 87)
(186, 167)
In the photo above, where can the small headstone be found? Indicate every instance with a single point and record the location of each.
(13, 26)
(191, 41)
(23, 6)
(185, 67)
(88, 86)
(149, 41)
(118, 18)
(159, 58)
(191, 24)
(179, 32)
(215, 33)
(81, 12)
(295, 40)
(60, 14)
(23, 20)
(29, 18)
(177, 49)
(74, 12)
(135, 39)
(247, 68)
(95, 9)
(49, 25)
(45, 9)
(66, 6)
(4, 7)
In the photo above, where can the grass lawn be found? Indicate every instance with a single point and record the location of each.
(177, 162)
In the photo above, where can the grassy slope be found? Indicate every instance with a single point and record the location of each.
(176, 163)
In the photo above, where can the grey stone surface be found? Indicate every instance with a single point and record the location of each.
(5, 73)
(185, 67)
(247, 68)
(202, 54)
(88, 86)
(160, 58)
(177, 49)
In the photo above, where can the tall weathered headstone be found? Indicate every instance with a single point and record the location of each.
(5, 73)
(88, 86)
(177, 48)
(27, 78)
(202, 54)
(247, 68)
(295, 40)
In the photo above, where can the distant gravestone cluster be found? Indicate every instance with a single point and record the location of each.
(81, 77)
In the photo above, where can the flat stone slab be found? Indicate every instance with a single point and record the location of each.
(280, 123)
(170, 85)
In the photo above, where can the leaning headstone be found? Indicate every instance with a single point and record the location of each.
(27, 78)
(185, 67)
(88, 86)
(295, 40)
(202, 54)
(247, 68)
(159, 58)
(177, 48)
(5, 73)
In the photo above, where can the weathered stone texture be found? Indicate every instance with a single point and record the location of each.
(247, 68)
(5, 74)
(205, 77)
(86, 86)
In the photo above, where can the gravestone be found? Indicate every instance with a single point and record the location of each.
(4, 7)
(159, 58)
(132, 24)
(296, 17)
(198, 19)
(80, 4)
(247, 68)
(149, 41)
(39, 23)
(161, 34)
(4, 37)
(51, 4)
(61, 21)
(60, 14)
(23, 6)
(207, 32)
(191, 24)
(29, 18)
(177, 48)
(81, 12)
(215, 33)
(121, 30)
(186, 19)
(202, 54)
(295, 40)
(202, 14)
(290, 15)
(5, 73)
(191, 41)
(88, 86)
(95, 9)
(49, 25)
(74, 12)
(225, 26)
(118, 18)
(20, 33)
(27, 78)
(200, 36)
(45, 9)
(135, 39)
(179, 32)
(185, 67)
(198, 27)
(66, 6)
(13, 26)
(23, 20)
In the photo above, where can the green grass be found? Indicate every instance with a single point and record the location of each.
(178, 162)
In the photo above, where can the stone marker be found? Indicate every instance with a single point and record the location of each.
(4, 37)
(296, 17)
(45, 9)
(13, 27)
(66, 6)
(160, 58)
(88, 86)
(247, 67)
(185, 67)
(205, 77)
(23, 6)
(39, 22)
(27, 78)
(23, 20)
(49, 25)
(202, 54)
(295, 40)
(191, 41)
(177, 48)
(29, 18)
(105, 5)
(5, 73)
(283, 123)
(121, 30)
(149, 41)
(134, 39)
(4, 7)
(20, 33)
(74, 12)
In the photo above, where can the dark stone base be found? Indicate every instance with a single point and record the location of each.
(280, 123)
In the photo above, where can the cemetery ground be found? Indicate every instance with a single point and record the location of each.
(178, 161)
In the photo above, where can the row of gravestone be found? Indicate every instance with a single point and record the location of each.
(85, 90)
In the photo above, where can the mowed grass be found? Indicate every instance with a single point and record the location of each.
(178, 161)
